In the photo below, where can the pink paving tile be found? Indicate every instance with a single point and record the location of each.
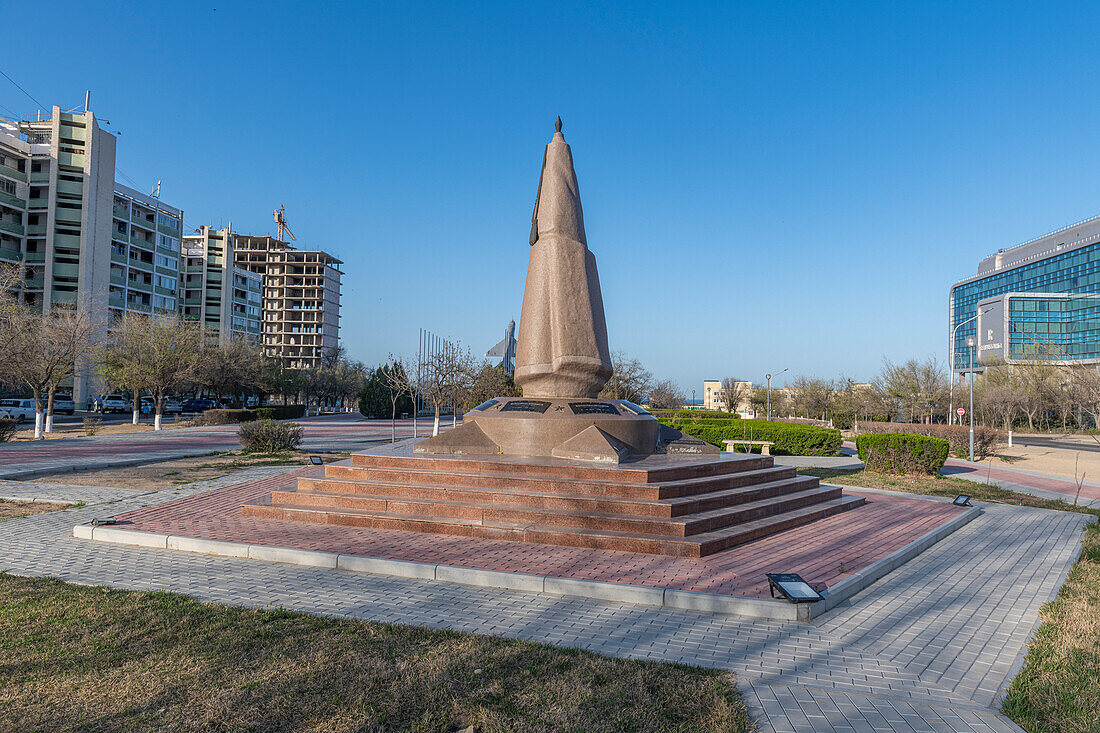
(817, 551)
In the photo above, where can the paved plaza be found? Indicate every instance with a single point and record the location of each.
(930, 647)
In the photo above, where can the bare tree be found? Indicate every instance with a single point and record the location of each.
(445, 377)
(629, 380)
(665, 395)
(46, 350)
(490, 380)
(919, 389)
(811, 397)
(396, 381)
(734, 392)
(121, 360)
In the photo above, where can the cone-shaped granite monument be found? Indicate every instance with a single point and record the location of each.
(559, 465)
(562, 358)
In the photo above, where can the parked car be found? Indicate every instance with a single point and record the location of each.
(199, 405)
(113, 403)
(19, 410)
(172, 407)
(61, 403)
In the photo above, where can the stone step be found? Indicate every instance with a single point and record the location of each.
(573, 518)
(556, 495)
(676, 469)
(694, 546)
(561, 484)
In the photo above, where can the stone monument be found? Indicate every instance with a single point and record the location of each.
(559, 465)
(562, 357)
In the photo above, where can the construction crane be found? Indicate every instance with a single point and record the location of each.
(280, 219)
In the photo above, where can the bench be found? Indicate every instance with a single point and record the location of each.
(765, 445)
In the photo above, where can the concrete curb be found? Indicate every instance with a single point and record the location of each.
(765, 608)
(37, 500)
(34, 472)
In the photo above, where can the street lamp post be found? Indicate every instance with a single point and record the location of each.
(971, 342)
(951, 365)
(693, 399)
(769, 392)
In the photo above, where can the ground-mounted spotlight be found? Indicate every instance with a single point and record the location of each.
(101, 521)
(962, 500)
(792, 587)
(316, 460)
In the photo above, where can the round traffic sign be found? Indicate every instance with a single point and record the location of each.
(961, 411)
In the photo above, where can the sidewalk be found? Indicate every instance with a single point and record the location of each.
(930, 647)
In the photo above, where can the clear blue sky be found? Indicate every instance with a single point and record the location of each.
(765, 185)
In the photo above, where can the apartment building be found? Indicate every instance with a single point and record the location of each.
(301, 298)
(224, 298)
(78, 235)
(714, 397)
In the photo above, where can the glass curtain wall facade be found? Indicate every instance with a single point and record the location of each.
(1030, 293)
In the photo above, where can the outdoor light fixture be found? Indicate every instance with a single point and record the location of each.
(793, 588)
(101, 522)
(962, 500)
(315, 460)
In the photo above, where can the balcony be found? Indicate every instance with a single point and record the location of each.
(118, 279)
(73, 160)
(40, 176)
(140, 221)
(64, 213)
(137, 306)
(12, 173)
(10, 255)
(11, 227)
(67, 240)
(115, 301)
(64, 297)
(73, 187)
(15, 201)
(66, 269)
(141, 265)
(168, 230)
(38, 203)
(142, 242)
(39, 256)
(34, 283)
(119, 257)
(164, 291)
(122, 212)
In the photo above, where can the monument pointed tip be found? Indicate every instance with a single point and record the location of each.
(557, 124)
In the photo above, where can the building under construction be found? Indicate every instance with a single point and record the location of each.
(301, 297)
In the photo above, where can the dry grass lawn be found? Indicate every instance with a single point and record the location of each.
(77, 431)
(167, 474)
(16, 509)
(75, 658)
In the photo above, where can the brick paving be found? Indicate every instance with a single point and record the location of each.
(827, 550)
(903, 655)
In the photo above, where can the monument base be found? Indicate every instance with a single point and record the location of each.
(577, 429)
(687, 506)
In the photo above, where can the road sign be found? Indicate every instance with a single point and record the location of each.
(961, 411)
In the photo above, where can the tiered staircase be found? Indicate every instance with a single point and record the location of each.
(683, 507)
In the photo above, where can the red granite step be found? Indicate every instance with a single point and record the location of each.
(799, 495)
(694, 546)
(618, 486)
(708, 493)
(678, 468)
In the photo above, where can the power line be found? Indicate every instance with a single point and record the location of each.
(13, 81)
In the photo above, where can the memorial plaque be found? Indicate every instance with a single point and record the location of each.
(593, 408)
(487, 404)
(526, 406)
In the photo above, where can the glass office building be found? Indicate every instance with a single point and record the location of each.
(1039, 301)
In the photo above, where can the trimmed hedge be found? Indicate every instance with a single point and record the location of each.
(280, 412)
(985, 439)
(902, 453)
(662, 414)
(270, 436)
(227, 417)
(789, 439)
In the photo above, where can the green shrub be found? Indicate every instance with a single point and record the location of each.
(280, 412)
(270, 436)
(227, 417)
(7, 429)
(790, 439)
(902, 453)
(985, 439)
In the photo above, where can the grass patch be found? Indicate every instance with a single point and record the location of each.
(1057, 690)
(16, 509)
(937, 485)
(1059, 687)
(85, 658)
(178, 471)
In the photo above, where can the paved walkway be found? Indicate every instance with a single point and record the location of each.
(928, 648)
(329, 433)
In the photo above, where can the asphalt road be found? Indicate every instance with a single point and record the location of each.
(1078, 443)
